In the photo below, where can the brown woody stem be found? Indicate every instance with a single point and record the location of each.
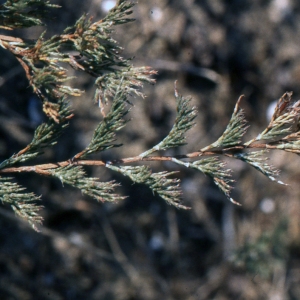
(43, 168)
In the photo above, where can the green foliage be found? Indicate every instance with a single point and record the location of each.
(45, 135)
(105, 133)
(183, 122)
(234, 131)
(26, 13)
(88, 47)
(24, 204)
(264, 255)
(256, 160)
(216, 170)
(166, 188)
(76, 177)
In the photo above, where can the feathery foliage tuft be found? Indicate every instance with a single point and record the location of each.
(26, 13)
(214, 168)
(76, 177)
(234, 131)
(256, 160)
(24, 204)
(184, 121)
(166, 188)
(105, 133)
(45, 135)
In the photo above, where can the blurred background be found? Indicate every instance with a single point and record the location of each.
(141, 248)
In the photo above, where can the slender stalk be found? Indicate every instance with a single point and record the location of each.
(42, 168)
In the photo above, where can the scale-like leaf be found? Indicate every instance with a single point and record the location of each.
(184, 121)
(234, 131)
(258, 161)
(130, 79)
(26, 13)
(105, 133)
(166, 188)
(76, 177)
(290, 143)
(284, 122)
(215, 169)
(24, 204)
(45, 135)
(138, 174)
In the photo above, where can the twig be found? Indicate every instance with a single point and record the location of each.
(42, 168)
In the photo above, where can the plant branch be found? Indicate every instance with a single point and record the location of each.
(43, 168)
